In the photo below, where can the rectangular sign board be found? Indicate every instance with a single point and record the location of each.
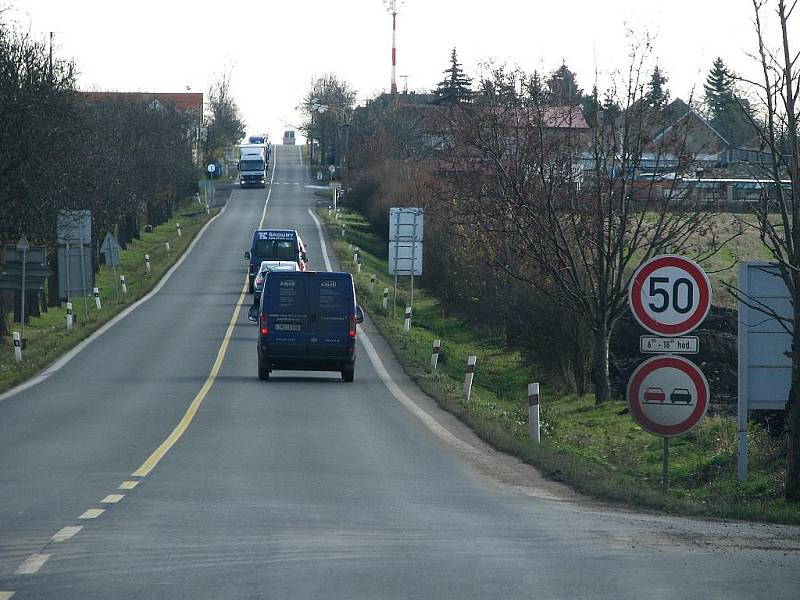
(74, 279)
(764, 343)
(651, 344)
(405, 224)
(405, 258)
(36, 255)
(74, 227)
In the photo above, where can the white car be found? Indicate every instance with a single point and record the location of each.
(265, 267)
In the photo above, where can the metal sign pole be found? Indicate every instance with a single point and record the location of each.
(83, 279)
(742, 465)
(22, 312)
(413, 259)
(114, 271)
(394, 302)
(66, 265)
(665, 466)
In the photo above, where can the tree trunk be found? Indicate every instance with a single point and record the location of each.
(600, 369)
(793, 422)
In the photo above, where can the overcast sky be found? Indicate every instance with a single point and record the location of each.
(275, 48)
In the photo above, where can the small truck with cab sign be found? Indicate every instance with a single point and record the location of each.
(274, 245)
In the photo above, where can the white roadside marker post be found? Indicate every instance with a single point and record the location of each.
(358, 268)
(178, 229)
(70, 321)
(17, 347)
(342, 232)
(385, 298)
(468, 379)
(534, 424)
(166, 245)
(147, 263)
(407, 322)
(437, 346)
(96, 293)
(371, 284)
(355, 256)
(123, 285)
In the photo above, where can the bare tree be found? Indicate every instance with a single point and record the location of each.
(778, 213)
(225, 126)
(559, 205)
(328, 106)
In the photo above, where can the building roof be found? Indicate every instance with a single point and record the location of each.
(183, 101)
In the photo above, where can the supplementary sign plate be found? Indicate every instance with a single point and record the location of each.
(651, 344)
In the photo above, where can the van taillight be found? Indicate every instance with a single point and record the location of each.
(263, 324)
(352, 326)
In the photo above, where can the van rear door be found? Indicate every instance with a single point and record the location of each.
(331, 307)
(287, 308)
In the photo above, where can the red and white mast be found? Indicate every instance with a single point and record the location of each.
(391, 8)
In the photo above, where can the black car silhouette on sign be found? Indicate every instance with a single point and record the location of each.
(680, 395)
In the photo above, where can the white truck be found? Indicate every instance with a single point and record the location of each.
(253, 165)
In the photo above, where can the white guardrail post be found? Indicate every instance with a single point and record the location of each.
(468, 379)
(534, 424)
(437, 345)
(17, 347)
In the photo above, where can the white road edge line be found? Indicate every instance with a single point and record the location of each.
(6, 595)
(394, 389)
(32, 564)
(61, 362)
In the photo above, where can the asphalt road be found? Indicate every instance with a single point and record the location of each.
(306, 486)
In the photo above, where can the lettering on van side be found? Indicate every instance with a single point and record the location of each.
(276, 235)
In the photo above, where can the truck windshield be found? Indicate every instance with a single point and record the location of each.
(276, 250)
(251, 165)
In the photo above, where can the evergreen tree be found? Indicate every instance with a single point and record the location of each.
(727, 112)
(562, 87)
(456, 86)
(590, 104)
(657, 96)
(719, 90)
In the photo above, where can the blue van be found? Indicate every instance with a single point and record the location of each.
(307, 321)
(278, 245)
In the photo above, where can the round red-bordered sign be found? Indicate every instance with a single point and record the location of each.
(668, 395)
(669, 295)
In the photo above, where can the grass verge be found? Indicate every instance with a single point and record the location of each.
(598, 450)
(48, 337)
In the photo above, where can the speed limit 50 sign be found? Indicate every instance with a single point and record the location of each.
(669, 295)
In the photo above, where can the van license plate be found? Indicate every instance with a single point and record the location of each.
(287, 327)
